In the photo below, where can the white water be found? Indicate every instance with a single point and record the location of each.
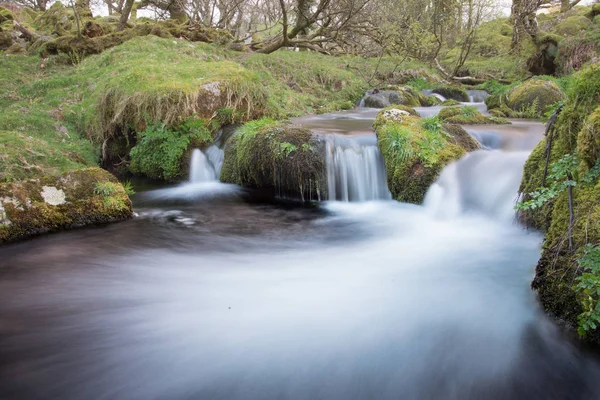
(206, 166)
(483, 181)
(355, 169)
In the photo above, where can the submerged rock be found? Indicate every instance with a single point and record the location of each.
(79, 198)
(285, 160)
(415, 151)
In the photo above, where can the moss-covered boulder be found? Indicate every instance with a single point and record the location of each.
(574, 138)
(533, 97)
(450, 102)
(452, 92)
(404, 95)
(285, 160)
(83, 197)
(415, 151)
(572, 26)
(467, 115)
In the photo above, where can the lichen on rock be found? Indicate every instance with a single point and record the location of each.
(70, 200)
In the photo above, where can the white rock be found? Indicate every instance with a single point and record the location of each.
(53, 196)
(213, 88)
(395, 115)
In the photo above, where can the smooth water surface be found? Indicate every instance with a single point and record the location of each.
(209, 295)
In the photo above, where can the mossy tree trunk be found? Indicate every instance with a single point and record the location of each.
(523, 15)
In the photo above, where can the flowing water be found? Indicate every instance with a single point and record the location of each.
(208, 294)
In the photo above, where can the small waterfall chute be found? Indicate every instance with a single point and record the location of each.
(483, 181)
(205, 166)
(355, 169)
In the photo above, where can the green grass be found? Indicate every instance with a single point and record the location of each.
(36, 134)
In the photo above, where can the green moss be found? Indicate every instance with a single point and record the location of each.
(450, 102)
(413, 155)
(533, 97)
(572, 26)
(467, 115)
(575, 133)
(588, 140)
(452, 92)
(84, 197)
(459, 136)
(284, 159)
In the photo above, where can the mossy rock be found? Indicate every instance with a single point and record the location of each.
(595, 11)
(459, 136)
(575, 132)
(496, 112)
(450, 102)
(432, 101)
(533, 97)
(58, 20)
(75, 199)
(286, 160)
(6, 15)
(414, 157)
(573, 26)
(452, 92)
(588, 140)
(404, 95)
(467, 115)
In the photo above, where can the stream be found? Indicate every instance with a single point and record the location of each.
(211, 293)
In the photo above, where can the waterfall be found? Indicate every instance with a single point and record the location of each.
(429, 92)
(355, 169)
(206, 166)
(483, 182)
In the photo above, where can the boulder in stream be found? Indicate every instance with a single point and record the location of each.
(84, 197)
(415, 151)
(285, 160)
(404, 95)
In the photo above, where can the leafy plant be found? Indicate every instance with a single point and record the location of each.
(160, 148)
(588, 287)
(105, 189)
(129, 190)
(564, 173)
(469, 111)
(432, 124)
(286, 148)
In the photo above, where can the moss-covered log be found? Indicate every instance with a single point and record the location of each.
(83, 197)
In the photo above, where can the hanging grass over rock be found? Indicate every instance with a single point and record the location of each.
(286, 160)
(167, 81)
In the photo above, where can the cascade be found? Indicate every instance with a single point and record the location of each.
(484, 181)
(355, 169)
(206, 166)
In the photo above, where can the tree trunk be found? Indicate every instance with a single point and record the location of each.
(523, 15)
(125, 15)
